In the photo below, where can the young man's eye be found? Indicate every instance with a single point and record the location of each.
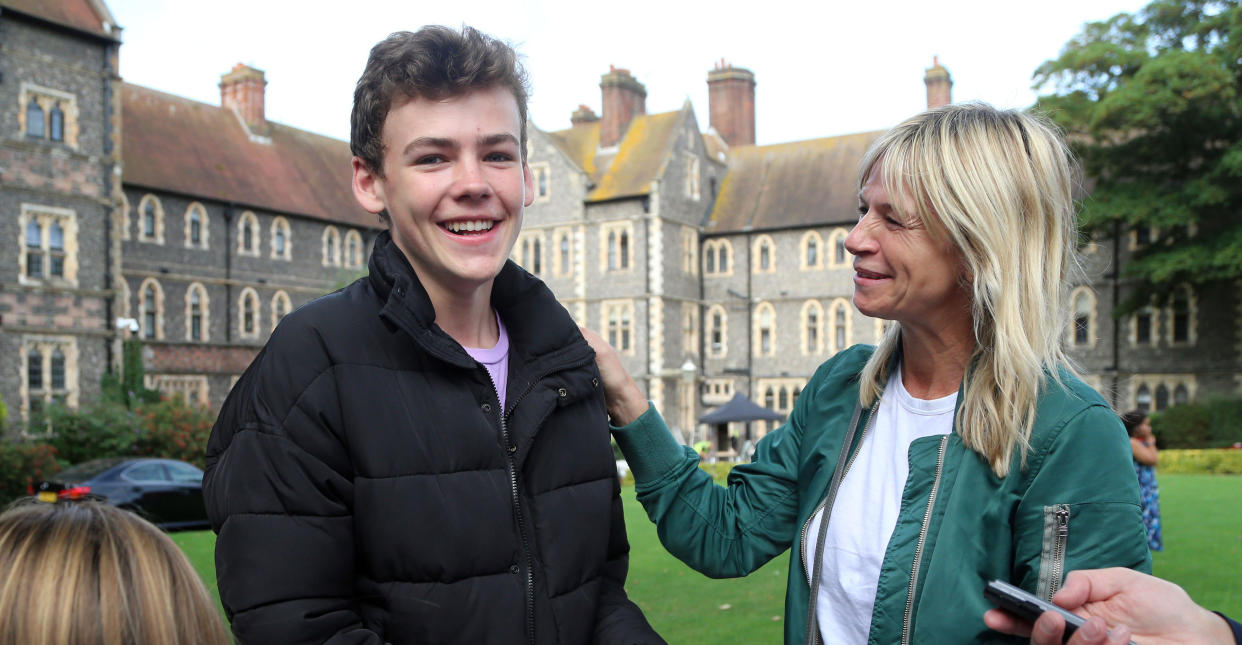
(498, 157)
(427, 160)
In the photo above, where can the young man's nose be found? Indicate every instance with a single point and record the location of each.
(469, 180)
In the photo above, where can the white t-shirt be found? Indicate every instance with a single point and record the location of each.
(866, 509)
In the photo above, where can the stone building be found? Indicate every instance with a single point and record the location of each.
(714, 265)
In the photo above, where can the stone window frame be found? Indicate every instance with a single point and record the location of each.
(689, 250)
(330, 247)
(46, 346)
(836, 241)
(204, 313)
(764, 320)
(714, 349)
(1092, 304)
(694, 179)
(248, 299)
(804, 247)
(157, 219)
(719, 251)
(1188, 383)
(619, 329)
(124, 207)
(122, 297)
(1192, 317)
(616, 247)
(248, 221)
(776, 389)
(563, 252)
(717, 390)
(155, 329)
(280, 225)
(351, 246)
(763, 241)
(839, 308)
(1153, 233)
(204, 229)
(540, 170)
(690, 329)
(811, 346)
(46, 98)
(44, 217)
(528, 252)
(280, 302)
(194, 388)
(1156, 326)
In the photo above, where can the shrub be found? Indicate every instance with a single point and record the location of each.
(174, 429)
(23, 464)
(101, 429)
(1214, 423)
(1209, 462)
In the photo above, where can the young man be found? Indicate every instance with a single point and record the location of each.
(423, 456)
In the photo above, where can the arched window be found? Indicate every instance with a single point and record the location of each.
(840, 324)
(1162, 397)
(56, 249)
(811, 243)
(1082, 333)
(1142, 398)
(280, 307)
(56, 123)
(537, 257)
(151, 219)
(812, 328)
(58, 369)
(724, 256)
(34, 119)
(764, 255)
(765, 330)
(196, 226)
(34, 369)
(1180, 315)
(197, 312)
(709, 259)
(836, 242)
(623, 244)
(331, 247)
(353, 249)
(769, 398)
(281, 239)
(1181, 395)
(248, 313)
(248, 234)
(34, 249)
(612, 251)
(151, 309)
(839, 328)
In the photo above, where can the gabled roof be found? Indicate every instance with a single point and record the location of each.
(183, 146)
(639, 159)
(88, 16)
(802, 183)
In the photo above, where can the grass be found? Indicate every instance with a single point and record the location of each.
(1202, 549)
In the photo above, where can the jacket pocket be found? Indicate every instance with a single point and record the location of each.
(1052, 554)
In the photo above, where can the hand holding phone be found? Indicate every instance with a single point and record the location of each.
(1028, 606)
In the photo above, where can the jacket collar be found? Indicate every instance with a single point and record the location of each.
(540, 330)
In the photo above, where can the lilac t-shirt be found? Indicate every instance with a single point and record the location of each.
(496, 360)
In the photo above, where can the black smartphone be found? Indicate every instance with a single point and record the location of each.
(1028, 606)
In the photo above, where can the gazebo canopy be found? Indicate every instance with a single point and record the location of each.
(740, 408)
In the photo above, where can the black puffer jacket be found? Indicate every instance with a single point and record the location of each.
(367, 489)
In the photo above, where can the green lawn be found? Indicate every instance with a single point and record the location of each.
(1202, 541)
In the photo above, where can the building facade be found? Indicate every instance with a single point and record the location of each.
(714, 265)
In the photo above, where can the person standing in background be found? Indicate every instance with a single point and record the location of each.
(1143, 445)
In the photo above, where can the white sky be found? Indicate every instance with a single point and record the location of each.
(824, 70)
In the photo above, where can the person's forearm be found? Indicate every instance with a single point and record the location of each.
(626, 403)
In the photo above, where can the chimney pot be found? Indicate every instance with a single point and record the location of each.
(582, 116)
(242, 90)
(623, 99)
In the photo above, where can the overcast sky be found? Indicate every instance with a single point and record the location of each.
(837, 68)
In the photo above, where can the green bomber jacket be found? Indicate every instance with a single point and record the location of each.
(1072, 503)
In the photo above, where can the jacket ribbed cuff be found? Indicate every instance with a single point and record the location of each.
(649, 447)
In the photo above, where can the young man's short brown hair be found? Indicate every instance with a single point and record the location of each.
(434, 62)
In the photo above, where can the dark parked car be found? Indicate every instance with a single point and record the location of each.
(167, 492)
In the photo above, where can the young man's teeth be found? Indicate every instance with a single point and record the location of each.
(469, 227)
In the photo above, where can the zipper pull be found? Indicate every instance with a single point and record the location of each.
(1062, 523)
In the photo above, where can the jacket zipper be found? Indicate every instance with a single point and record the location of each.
(813, 634)
(1058, 549)
(918, 550)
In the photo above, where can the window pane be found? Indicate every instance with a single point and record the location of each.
(34, 370)
(56, 266)
(34, 235)
(764, 259)
(58, 370)
(34, 120)
(147, 473)
(1142, 399)
(537, 260)
(724, 259)
(280, 242)
(1162, 397)
(57, 124)
(1080, 330)
(148, 220)
(34, 264)
(196, 229)
(56, 237)
(1180, 395)
(247, 238)
(624, 250)
(840, 250)
(709, 260)
(1142, 327)
(812, 253)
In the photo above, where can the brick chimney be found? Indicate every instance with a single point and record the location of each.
(731, 101)
(242, 90)
(939, 85)
(624, 98)
(582, 116)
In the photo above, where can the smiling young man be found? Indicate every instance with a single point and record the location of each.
(423, 456)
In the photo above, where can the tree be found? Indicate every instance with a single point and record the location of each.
(1151, 104)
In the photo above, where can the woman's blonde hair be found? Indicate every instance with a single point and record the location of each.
(998, 184)
(85, 573)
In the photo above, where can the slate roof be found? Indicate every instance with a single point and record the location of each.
(639, 158)
(83, 15)
(183, 146)
(802, 183)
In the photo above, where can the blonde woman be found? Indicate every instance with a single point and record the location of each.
(959, 450)
(84, 573)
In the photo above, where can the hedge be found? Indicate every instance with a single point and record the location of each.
(1213, 462)
(1214, 423)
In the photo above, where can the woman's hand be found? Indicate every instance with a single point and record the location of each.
(1151, 610)
(621, 394)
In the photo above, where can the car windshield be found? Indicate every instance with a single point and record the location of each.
(88, 469)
